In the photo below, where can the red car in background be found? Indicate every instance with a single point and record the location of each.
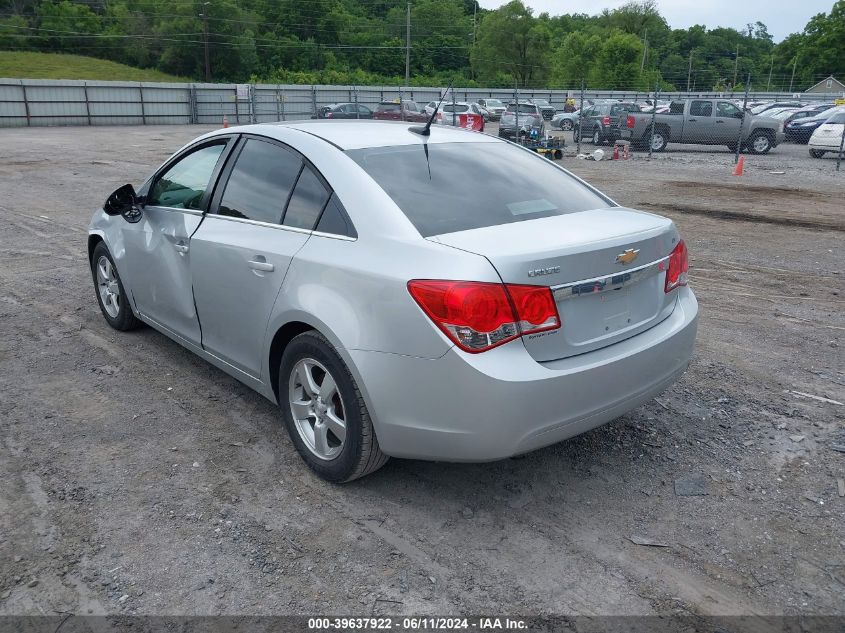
(394, 111)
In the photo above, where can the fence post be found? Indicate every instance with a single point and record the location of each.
(314, 100)
(192, 103)
(278, 104)
(237, 106)
(742, 122)
(653, 118)
(253, 116)
(141, 96)
(26, 104)
(283, 106)
(87, 106)
(357, 111)
(580, 118)
(841, 146)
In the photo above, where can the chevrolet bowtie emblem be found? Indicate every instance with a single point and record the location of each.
(628, 256)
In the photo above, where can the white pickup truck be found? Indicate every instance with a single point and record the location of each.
(702, 122)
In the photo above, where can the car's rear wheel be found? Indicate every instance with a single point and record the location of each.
(566, 125)
(110, 292)
(597, 139)
(657, 140)
(817, 153)
(324, 411)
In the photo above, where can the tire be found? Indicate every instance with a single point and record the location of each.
(335, 459)
(817, 153)
(759, 143)
(566, 125)
(597, 138)
(110, 293)
(658, 140)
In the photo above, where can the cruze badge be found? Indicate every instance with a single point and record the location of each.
(628, 256)
(544, 271)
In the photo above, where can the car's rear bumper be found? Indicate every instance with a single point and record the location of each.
(482, 407)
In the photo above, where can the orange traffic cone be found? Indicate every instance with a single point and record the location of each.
(739, 166)
(225, 121)
(615, 152)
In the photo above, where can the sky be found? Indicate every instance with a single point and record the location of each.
(782, 17)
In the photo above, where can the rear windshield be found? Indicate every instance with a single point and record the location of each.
(388, 107)
(462, 192)
(618, 108)
(455, 108)
(494, 103)
(523, 107)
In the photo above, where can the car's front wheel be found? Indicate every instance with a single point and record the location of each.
(817, 153)
(566, 125)
(324, 411)
(597, 138)
(110, 292)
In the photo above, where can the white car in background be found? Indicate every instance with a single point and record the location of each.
(828, 136)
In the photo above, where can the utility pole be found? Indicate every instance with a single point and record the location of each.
(645, 48)
(771, 66)
(794, 65)
(408, 45)
(204, 16)
(736, 67)
(689, 72)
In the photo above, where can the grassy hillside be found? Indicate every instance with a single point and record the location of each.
(28, 65)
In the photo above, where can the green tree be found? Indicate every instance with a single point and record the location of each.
(617, 65)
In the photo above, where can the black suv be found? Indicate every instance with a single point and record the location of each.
(546, 108)
(601, 121)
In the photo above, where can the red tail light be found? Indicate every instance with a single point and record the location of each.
(479, 316)
(329, 115)
(606, 120)
(677, 273)
(630, 122)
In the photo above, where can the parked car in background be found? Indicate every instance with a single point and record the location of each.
(800, 130)
(760, 109)
(703, 122)
(344, 111)
(393, 294)
(565, 120)
(450, 113)
(546, 108)
(525, 123)
(600, 122)
(393, 111)
(494, 106)
(828, 136)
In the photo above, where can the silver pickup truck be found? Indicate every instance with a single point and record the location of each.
(702, 122)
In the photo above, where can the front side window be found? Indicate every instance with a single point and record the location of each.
(512, 185)
(307, 202)
(726, 108)
(260, 183)
(388, 107)
(184, 184)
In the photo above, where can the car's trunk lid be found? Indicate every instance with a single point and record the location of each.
(606, 268)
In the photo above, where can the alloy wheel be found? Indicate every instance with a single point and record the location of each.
(761, 144)
(108, 287)
(317, 408)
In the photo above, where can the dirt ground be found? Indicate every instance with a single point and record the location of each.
(139, 479)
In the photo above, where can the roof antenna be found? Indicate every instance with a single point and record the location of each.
(425, 130)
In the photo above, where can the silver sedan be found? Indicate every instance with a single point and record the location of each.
(395, 295)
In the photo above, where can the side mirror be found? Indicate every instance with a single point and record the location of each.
(124, 201)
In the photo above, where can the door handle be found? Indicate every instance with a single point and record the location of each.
(263, 266)
(181, 247)
(692, 120)
(720, 121)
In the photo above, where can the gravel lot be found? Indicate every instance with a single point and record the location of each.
(139, 479)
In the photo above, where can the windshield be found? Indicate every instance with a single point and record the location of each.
(837, 118)
(493, 103)
(510, 185)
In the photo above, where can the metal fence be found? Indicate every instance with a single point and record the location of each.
(32, 102)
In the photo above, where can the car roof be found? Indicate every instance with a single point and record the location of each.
(352, 134)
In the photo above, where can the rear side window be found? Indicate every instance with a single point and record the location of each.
(334, 220)
(701, 108)
(307, 202)
(510, 185)
(388, 107)
(260, 183)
